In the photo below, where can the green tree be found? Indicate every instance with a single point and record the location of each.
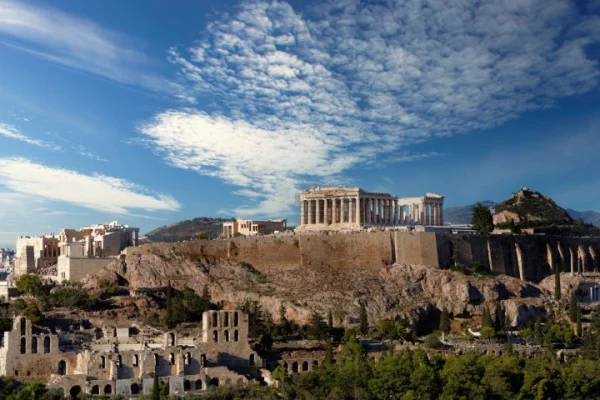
(579, 328)
(317, 328)
(445, 321)
(487, 332)
(538, 334)
(486, 318)
(363, 318)
(29, 284)
(155, 388)
(330, 319)
(170, 321)
(481, 218)
(499, 318)
(503, 377)
(461, 377)
(33, 313)
(573, 306)
(391, 376)
(328, 352)
(557, 289)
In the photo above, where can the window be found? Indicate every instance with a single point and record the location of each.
(235, 319)
(23, 325)
(226, 319)
(171, 339)
(46, 344)
(136, 360)
(215, 322)
(235, 336)
(34, 345)
(62, 367)
(226, 336)
(172, 359)
(23, 345)
(216, 336)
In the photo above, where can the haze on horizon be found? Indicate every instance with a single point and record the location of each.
(148, 113)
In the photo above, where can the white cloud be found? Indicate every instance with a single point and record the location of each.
(80, 44)
(12, 132)
(97, 192)
(303, 97)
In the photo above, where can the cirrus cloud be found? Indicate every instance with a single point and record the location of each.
(97, 192)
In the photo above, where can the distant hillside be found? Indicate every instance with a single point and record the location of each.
(529, 208)
(188, 229)
(462, 215)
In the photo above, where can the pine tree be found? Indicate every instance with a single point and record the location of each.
(508, 346)
(557, 293)
(579, 328)
(445, 321)
(486, 318)
(329, 352)
(573, 305)
(364, 320)
(481, 218)
(330, 319)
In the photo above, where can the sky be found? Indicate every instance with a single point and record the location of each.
(150, 112)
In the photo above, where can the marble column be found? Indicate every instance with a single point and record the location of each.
(318, 211)
(333, 210)
(368, 211)
(325, 208)
(357, 210)
(303, 213)
(309, 212)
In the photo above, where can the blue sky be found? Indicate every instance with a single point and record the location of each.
(149, 113)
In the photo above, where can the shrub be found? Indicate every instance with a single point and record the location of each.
(432, 341)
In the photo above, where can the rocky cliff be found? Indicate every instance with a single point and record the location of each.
(414, 291)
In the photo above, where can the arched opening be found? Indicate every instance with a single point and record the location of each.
(107, 389)
(295, 367)
(135, 388)
(119, 361)
(315, 364)
(102, 362)
(199, 384)
(23, 345)
(226, 336)
(34, 345)
(171, 339)
(236, 336)
(23, 325)
(240, 381)
(228, 381)
(226, 319)
(136, 360)
(305, 366)
(215, 321)
(214, 382)
(75, 391)
(62, 367)
(187, 386)
(172, 359)
(235, 319)
(203, 360)
(95, 389)
(216, 336)
(251, 359)
(46, 344)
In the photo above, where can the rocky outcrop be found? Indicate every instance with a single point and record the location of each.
(414, 291)
(529, 206)
(581, 284)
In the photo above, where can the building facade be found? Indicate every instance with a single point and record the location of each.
(125, 358)
(344, 208)
(248, 227)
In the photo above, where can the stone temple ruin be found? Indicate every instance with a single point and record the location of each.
(123, 359)
(345, 208)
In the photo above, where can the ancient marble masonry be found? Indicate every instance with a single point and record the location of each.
(340, 208)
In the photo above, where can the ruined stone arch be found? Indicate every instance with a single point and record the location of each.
(46, 344)
(95, 389)
(23, 345)
(187, 386)
(199, 384)
(75, 391)
(294, 367)
(135, 388)
(304, 365)
(228, 381)
(108, 389)
(34, 345)
(62, 367)
(214, 382)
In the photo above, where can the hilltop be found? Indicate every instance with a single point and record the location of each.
(462, 214)
(188, 229)
(530, 208)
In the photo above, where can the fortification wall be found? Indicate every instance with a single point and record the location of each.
(528, 257)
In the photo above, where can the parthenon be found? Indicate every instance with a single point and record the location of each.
(346, 208)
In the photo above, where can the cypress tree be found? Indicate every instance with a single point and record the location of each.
(330, 319)
(329, 352)
(579, 328)
(155, 388)
(169, 319)
(364, 320)
(445, 321)
(537, 332)
(486, 318)
(557, 294)
(573, 305)
(499, 318)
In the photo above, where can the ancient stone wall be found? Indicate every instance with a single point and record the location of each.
(528, 257)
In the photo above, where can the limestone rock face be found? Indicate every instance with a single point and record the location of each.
(414, 291)
(569, 283)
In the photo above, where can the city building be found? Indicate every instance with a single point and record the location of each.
(248, 227)
(346, 208)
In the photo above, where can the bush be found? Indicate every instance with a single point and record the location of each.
(29, 284)
(432, 341)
